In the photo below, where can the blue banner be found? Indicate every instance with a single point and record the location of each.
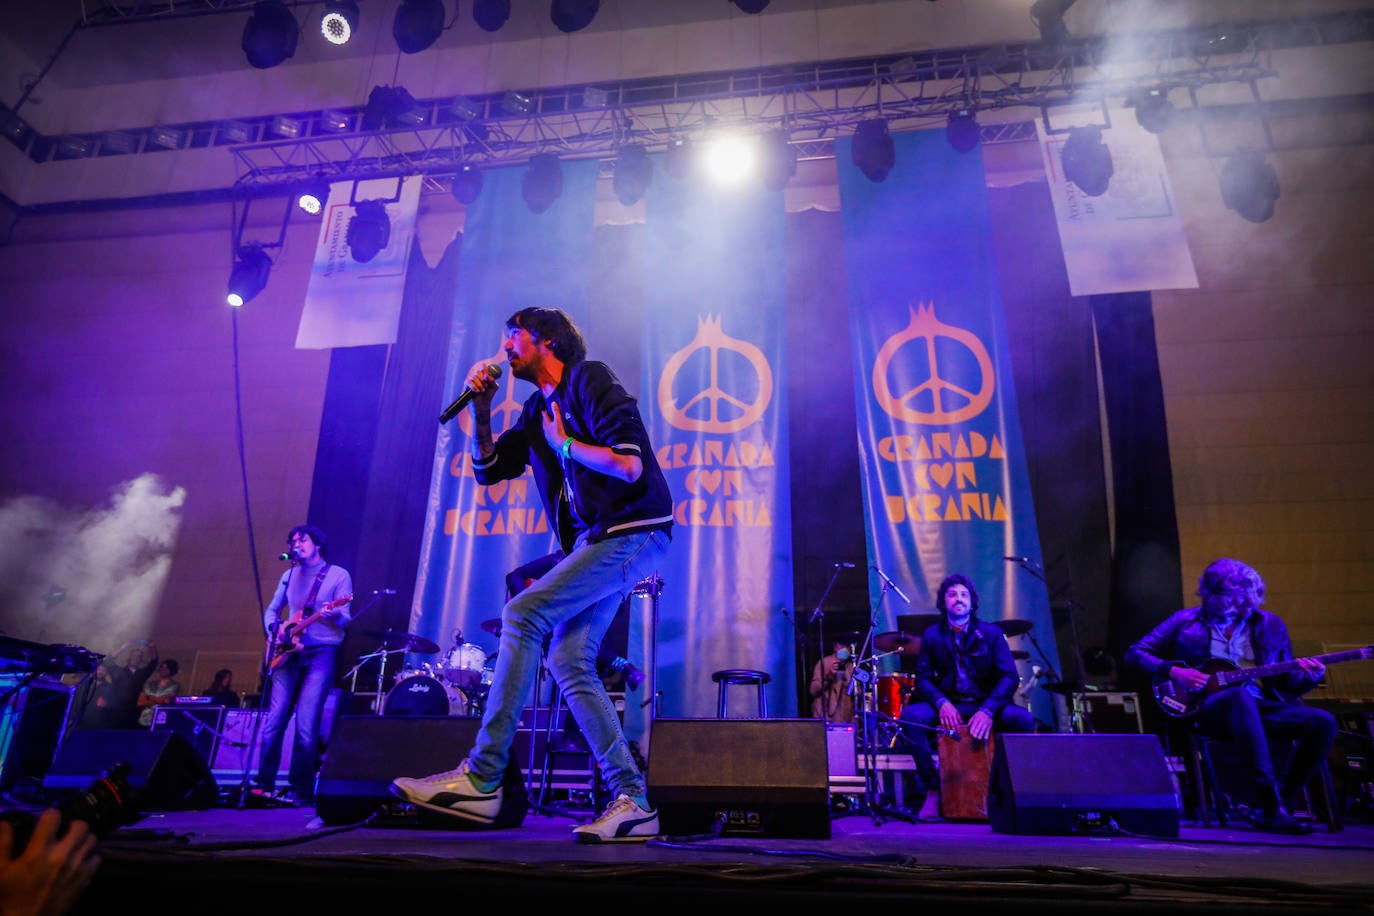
(945, 481)
(715, 399)
(474, 535)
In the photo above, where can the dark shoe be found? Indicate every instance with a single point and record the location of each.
(1279, 820)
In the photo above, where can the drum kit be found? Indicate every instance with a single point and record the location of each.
(457, 685)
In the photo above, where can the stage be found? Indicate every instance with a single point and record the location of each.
(235, 860)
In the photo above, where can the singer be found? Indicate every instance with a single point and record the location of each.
(581, 433)
(965, 673)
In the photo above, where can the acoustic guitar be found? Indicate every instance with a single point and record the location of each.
(288, 638)
(1222, 674)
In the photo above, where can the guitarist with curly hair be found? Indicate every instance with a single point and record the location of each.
(305, 623)
(1229, 664)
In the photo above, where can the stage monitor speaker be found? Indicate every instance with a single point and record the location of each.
(752, 776)
(367, 752)
(165, 772)
(1065, 784)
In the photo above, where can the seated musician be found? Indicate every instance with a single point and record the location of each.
(964, 674)
(1230, 630)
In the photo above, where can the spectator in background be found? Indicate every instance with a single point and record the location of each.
(221, 690)
(159, 690)
(119, 679)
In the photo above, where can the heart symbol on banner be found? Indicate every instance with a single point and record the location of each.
(708, 481)
(942, 473)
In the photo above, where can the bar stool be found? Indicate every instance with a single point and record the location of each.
(743, 677)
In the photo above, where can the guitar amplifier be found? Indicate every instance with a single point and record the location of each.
(1107, 713)
(199, 725)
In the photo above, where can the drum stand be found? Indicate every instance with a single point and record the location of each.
(540, 802)
(352, 674)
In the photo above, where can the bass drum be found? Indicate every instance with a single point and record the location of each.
(422, 695)
(463, 665)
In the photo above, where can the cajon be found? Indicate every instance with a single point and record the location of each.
(964, 768)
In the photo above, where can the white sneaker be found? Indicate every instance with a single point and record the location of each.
(451, 793)
(623, 821)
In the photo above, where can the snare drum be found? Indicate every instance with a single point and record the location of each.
(463, 665)
(422, 695)
(892, 692)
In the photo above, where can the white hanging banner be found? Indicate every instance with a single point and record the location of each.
(1130, 238)
(353, 304)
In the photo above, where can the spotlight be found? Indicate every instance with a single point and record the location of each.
(313, 197)
(270, 35)
(418, 24)
(678, 159)
(339, 22)
(1249, 185)
(1048, 16)
(166, 138)
(573, 15)
(1152, 108)
(390, 106)
(1086, 160)
(238, 132)
(249, 276)
(490, 15)
(369, 231)
(116, 142)
(751, 6)
(872, 149)
(336, 122)
(543, 182)
(467, 184)
(283, 126)
(777, 160)
(961, 130)
(633, 172)
(595, 97)
(515, 103)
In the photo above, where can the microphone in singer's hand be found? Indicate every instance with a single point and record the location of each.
(468, 394)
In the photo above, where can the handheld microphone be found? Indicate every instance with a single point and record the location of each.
(466, 397)
(1017, 559)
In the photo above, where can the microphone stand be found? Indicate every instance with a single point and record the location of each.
(1070, 703)
(865, 682)
(818, 618)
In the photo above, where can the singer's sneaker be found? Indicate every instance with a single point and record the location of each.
(453, 792)
(623, 821)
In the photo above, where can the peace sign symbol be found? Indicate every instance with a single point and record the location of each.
(711, 338)
(937, 400)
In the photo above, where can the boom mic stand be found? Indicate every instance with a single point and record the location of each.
(865, 683)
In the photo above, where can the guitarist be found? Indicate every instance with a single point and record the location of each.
(301, 657)
(1229, 629)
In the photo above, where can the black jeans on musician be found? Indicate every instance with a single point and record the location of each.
(919, 721)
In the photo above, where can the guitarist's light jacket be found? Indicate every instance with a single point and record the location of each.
(1185, 637)
(289, 599)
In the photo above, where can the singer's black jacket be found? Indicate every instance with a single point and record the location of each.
(596, 408)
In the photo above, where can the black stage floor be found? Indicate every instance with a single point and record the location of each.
(240, 860)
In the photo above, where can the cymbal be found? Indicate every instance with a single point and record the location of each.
(1020, 654)
(897, 642)
(407, 642)
(1014, 627)
(492, 626)
(917, 623)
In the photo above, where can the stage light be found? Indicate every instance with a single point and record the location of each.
(490, 15)
(116, 142)
(418, 24)
(633, 172)
(369, 231)
(238, 132)
(313, 197)
(729, 159)
(1048, 16)
(391, 106)
(872, 150)
(1153, 110)
(1086, 160)
(751, 6)
(336, 122)
(290, 128)
(593, 97)
(249, 276)
(678, 159)
(961, 130)
(339, 22)
(166, 138)
(1249, 185)
(777, 160)
(73, 148)
(467, 184)
(543, 182)
(270, 35)
(515, 103)
(573, 15)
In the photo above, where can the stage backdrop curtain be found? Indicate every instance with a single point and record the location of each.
(511, 257)
(945, 480)
(715, 393)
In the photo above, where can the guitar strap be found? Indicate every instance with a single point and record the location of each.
(315, 590)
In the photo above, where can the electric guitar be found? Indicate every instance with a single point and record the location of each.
(288, 638)
(1178, 702)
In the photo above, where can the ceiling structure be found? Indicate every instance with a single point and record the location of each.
(1007, 85)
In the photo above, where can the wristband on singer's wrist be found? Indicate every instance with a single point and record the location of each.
(566, 448)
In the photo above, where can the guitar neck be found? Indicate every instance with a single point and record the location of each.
(1237, 675)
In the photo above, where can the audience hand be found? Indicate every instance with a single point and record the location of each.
(49, 875)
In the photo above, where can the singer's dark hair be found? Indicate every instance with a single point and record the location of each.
(957, 579)
(315, 534)
(553, 327)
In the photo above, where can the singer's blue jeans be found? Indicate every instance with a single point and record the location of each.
(920, 735)
(576, 602)
(299, 685)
